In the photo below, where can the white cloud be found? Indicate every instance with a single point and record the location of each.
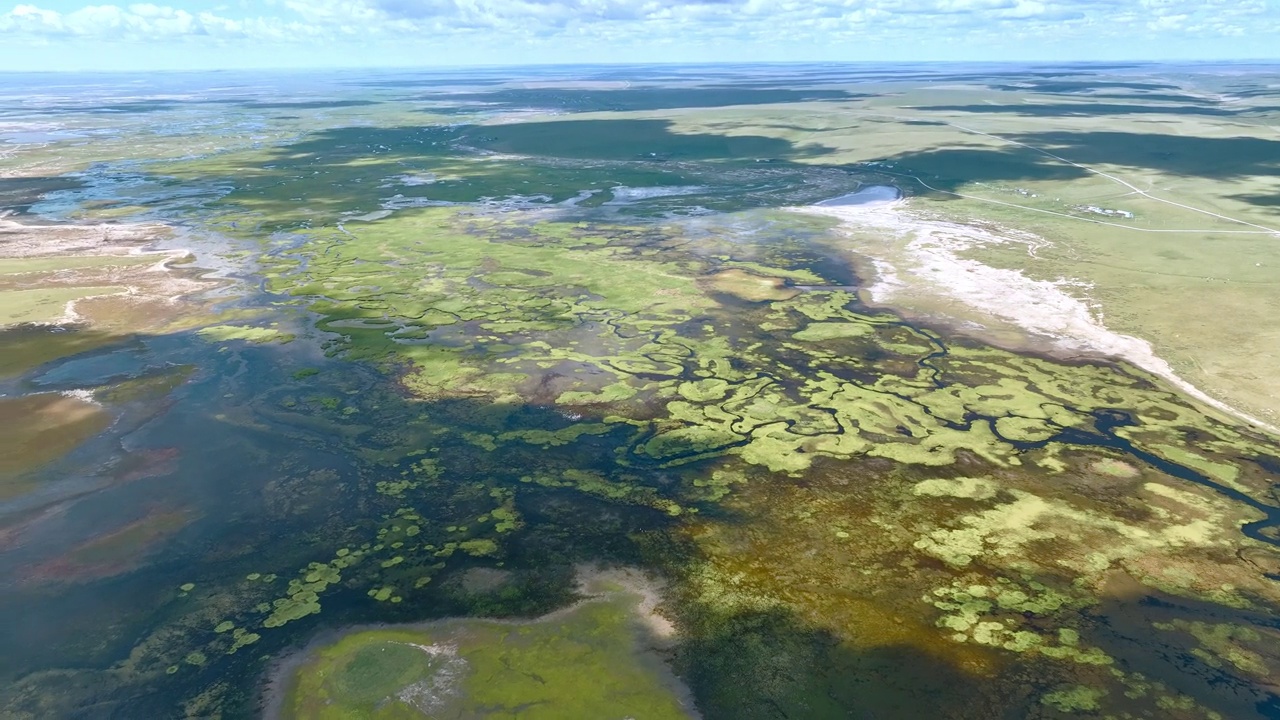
(641, 20)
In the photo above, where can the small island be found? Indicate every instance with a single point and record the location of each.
(599, 658)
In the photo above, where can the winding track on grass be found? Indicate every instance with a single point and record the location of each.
(1114, 179)
(927, 186)
(1262, 229)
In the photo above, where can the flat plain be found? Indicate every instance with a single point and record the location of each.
(878, 392)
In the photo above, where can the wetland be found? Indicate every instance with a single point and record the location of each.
(433, 395)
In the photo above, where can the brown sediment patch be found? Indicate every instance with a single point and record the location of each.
(826, 562)
(1265, 559)
(121, 297)
(1112, 467)
(149, 306)
(829, 552)
(13, 535)
(146, 464)
(751, 287)
(1022, 598)
(18, 240)
(68, 256)
(65, 289)
(37, 429)
(114, 552)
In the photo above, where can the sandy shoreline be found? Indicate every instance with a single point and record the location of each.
(22, 240)
(144, 282)
(1058, 312)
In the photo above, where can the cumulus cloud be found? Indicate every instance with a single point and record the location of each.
(283, 20)
(142, 20)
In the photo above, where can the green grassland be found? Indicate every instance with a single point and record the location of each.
(45, 305)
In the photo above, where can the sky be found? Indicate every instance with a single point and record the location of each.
(207, 34)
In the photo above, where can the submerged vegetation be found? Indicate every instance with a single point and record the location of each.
(457, 375)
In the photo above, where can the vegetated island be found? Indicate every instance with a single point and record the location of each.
(602, 657)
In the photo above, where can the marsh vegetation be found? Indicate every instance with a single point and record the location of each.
(421, 346)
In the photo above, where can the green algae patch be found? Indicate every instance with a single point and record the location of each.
(594, 660)
(1222, 472)
(1021, 429)
(610, 393)
(151, 386)
(548, 438)
(817, 332)
(468, 306)
(1074, 699)
(482, 307)
(248, 333)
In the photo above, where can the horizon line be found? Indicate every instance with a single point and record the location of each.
(668, 63)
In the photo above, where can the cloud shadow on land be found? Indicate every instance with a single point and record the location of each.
(1168, 97)
(637, 98)
(1081, 86)
(630, 140)
(950, 169)
(1261, 200)
(768, 664)
(128, 107)
(1186, 155)
(1231, 158)
(1089, 109)
(358, 168)
(621, 139)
